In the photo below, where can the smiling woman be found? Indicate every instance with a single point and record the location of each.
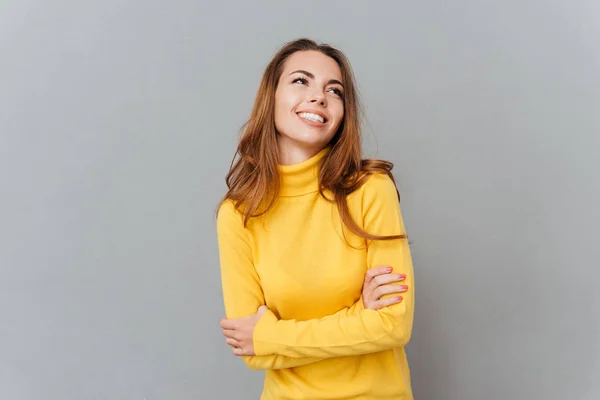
(312, 243)
(295, 117)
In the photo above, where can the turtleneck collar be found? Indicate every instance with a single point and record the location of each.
(302, 178)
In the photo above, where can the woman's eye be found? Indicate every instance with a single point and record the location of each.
(336, 91)
(301, 80)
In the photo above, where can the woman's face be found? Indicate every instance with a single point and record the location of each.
(309, 104)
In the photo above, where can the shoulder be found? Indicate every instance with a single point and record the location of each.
(228, 215)
(378, 191)
(378, 185)
(379, 181)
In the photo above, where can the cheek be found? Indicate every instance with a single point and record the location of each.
(279, 107)
(338, 113)
(281, 115)
(283, 104)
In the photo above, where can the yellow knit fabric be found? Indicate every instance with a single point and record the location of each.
(317, 341)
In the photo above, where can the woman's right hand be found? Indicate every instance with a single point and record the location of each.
(378, 284)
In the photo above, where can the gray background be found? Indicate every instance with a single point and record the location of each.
(118, 120)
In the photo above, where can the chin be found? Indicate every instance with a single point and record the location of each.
(313, 138)
(312, 143)
(307, 139)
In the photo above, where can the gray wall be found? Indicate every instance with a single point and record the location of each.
(118, 120)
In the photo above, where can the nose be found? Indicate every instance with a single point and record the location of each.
(318, 97)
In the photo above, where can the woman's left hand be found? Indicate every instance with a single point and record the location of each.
(240, 331)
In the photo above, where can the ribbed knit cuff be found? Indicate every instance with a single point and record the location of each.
(262, 331)
(360, 305)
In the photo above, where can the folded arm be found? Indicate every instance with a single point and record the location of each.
(365, 331)
(242, 291)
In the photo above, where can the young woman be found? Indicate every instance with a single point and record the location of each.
(312, 244)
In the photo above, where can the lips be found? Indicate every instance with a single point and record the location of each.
(313, 116)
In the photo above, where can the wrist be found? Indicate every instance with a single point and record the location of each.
(262, 331)
(360, 306)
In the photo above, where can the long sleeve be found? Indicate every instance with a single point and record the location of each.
(242, 292)
(366, 331)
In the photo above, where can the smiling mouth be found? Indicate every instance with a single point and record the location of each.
(312, 117)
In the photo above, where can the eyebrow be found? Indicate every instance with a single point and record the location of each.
(312, 76)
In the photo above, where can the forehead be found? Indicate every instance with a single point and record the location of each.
(317, 63)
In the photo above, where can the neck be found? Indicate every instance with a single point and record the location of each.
(301, 178)
(291, 154)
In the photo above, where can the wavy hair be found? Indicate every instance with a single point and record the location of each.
(253, 178)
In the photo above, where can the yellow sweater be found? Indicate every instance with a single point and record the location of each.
(317, 341)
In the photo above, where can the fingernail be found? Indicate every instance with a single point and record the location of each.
(399, 297)
(388, 269)
(404, 287)
(401, 276)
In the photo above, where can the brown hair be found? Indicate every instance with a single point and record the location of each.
(253, 178)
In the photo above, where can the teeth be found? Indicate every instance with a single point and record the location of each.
(312, 117)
